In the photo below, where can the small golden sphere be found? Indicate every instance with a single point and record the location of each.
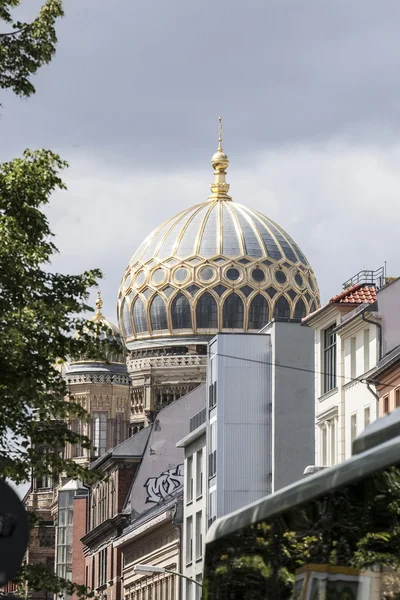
(220, 161)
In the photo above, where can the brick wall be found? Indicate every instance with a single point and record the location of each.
(79, 530)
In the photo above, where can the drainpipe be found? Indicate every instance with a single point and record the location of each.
(379, 327)
(177, 520)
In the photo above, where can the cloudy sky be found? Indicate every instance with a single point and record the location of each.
(309, 95)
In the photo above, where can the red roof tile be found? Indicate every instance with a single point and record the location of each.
(357, 294)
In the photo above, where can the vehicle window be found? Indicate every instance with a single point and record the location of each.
(344, 545)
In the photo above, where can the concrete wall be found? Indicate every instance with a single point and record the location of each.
(244, 468)
(389, 309)
(293, 401)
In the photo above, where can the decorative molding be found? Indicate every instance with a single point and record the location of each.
(96, 378)
(327, 415)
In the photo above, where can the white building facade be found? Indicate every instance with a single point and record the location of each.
(351, 333)
(194, 505)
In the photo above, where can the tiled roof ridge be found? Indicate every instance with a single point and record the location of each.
(359, 293)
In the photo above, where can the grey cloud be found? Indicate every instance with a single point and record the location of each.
(143, 82)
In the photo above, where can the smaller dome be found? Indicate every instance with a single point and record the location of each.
(107, 332)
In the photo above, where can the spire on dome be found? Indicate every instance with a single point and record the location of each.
(220, 163)
(99, 304)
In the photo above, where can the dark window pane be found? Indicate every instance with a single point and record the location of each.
(258, 313)
(300, 310)
(280, 277)
(233, 312)
(158, 314)
(281, 309)
(206, 312)
(181, 315)
(232, 274)
(126, 319)
(258, 275)
(139, 316)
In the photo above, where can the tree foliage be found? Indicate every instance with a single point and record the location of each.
(25, 47)
(358, 527)
(39, 311)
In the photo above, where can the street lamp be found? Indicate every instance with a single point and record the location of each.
(154, 569)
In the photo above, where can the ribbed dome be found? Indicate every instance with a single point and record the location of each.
(217, 266)
(112, 347)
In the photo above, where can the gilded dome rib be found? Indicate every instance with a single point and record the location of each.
(238, 230)
(250, 233)
(272, 247)
(161, 250)
(204, 222)
(188, 233)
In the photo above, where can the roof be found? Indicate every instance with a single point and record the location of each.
(355, 295)
(386, 363)
(133, 447)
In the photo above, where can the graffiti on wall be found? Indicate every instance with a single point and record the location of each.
(162, 487)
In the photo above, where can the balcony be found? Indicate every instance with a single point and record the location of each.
(198, 420)
(366, 277)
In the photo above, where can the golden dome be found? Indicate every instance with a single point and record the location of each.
(217, 266)
(106, 332)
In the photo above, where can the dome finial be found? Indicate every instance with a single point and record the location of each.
(220, 163)
(220, 133)
(99, 303)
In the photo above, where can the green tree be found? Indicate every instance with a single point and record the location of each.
(25, 47)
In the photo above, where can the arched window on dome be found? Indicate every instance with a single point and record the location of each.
(139, 316)
(126, 318)
(313, 307)
(206, 312)
(300, 309)
(158, 314)
(281, 308)
(258, 312)
(181, 314)
(233, 312)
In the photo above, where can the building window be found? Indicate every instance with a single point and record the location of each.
(119, 430)
(258, 313)
(64, 534)
(199, 535)
(199, 473)
(189, 540)
(366, 350)
(329, 359)
(212, 395)
(99, 433)
(158, 314)
(212, 457)
(181, 313)
(206, 312)
(281, 308)
(189, 479)
(45, 481)
(324, 443)
(332, 434)
(233, 312)
(353, 358)
(397, 397)
(386, 404)
(94, 508)
(353, 427)
(199, 579)
(189, 590)
(212, 507)
(102, 567)
(367, 416)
